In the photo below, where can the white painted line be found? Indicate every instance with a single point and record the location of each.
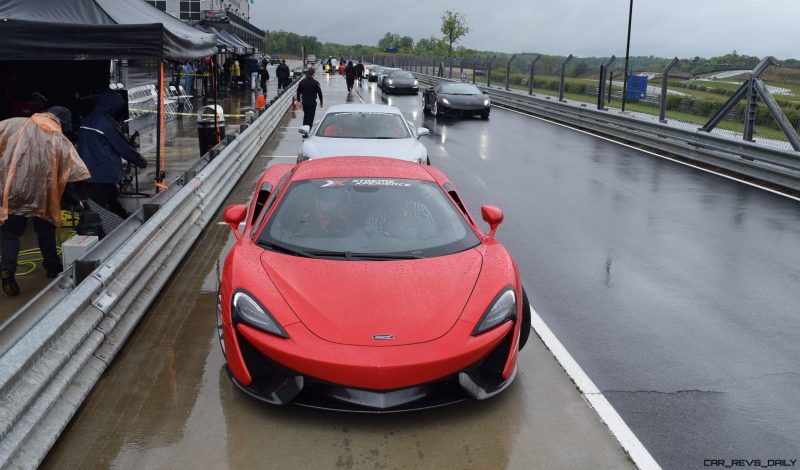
(749, 183)
(626, 438)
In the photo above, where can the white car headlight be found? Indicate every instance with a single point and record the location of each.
(486, 102)
(503, 308)
(416, 82)
(252, 313)
(446, 101)
(390, 82)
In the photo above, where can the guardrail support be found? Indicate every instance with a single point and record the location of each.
(561, 78)
(777, 113)
(662, 113)
(747, 88)
(474, 64)
(508, 69)
(451, 68)
(530, 77)
(601, 88)
(489, 71)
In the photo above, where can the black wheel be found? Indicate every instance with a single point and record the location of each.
(484, 116)
(525, 330)
(425, 109)
(220, 336)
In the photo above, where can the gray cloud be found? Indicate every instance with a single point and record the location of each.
(683, 28)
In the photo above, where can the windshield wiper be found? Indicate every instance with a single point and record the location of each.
(385, 256)
(288, 250)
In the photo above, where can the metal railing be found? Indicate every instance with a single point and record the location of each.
(773, 165)
(55, 348)
(674, 93)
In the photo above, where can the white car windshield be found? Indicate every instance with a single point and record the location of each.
(367, 218)
(363, 126)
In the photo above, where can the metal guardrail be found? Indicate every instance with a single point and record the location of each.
(55, 351)
(772, 165)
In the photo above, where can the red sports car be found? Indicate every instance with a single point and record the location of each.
(363, 284)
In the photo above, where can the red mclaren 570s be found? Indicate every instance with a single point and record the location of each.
(363, 284)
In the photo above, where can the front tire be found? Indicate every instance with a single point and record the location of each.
(525, 327)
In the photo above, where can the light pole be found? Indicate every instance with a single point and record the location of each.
(627, 56)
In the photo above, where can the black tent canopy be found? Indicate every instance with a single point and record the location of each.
(96, 30)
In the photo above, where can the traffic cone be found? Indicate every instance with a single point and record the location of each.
(261, 102)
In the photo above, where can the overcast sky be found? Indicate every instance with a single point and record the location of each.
(683, 28)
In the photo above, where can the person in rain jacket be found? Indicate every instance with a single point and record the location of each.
(282, 72)
(350, 75)
(102, 146)
(36, 163)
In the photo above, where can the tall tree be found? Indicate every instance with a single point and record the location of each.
(454, 27)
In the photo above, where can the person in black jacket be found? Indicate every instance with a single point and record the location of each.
(102, 146)
(359, 72)
(282, 72)
(307, 91)
(350, 75)
(264, 73)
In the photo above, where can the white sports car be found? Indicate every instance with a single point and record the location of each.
(363, 130)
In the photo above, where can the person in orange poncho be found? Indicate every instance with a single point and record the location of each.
(36, 163)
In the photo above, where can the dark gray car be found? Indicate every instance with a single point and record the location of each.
(463, 99)
(399, 81)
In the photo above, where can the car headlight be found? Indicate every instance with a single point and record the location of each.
(503, 308)
(250, 311)
(486, 102)
(446, 101)
(416, 82)
(390, 82)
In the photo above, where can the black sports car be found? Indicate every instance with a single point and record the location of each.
(399, 81)
(463, 99)
(372, 75)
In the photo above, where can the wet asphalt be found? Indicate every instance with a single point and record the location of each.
(166, 401)
(676, 290)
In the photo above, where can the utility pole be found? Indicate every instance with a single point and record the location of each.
(627, 56)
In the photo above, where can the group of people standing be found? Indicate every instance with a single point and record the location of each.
(39, 161)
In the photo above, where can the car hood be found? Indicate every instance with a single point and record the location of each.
(470, 100)
(351, 302)
(405, 149)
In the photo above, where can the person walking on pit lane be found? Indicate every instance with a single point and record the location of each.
(264, 74)
(102, 147)
(307, 91)
(36, 163)
(359, 72)
(350, 76)
(282, 72)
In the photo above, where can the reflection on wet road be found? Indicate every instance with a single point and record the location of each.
(677, 291)
(166, 401)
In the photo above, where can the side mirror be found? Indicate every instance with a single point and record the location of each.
(233, 216)
(493, 216)
(422, 131)
(304, 130)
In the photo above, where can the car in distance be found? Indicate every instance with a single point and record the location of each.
(363, 130)
(363, 284)
(450, 98)
(373, 72)
(399, 81)
(275, 60)
(383, 72)
(311, 59)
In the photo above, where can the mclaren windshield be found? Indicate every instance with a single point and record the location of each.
(363, 126)
(367, 218)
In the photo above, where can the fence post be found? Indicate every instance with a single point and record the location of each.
(662, 113)
(461, 65)
(508, 69)
(530, 77)
(561, 78)
(451, 68)
(489, 71)
(602, 84)
(474, 65)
